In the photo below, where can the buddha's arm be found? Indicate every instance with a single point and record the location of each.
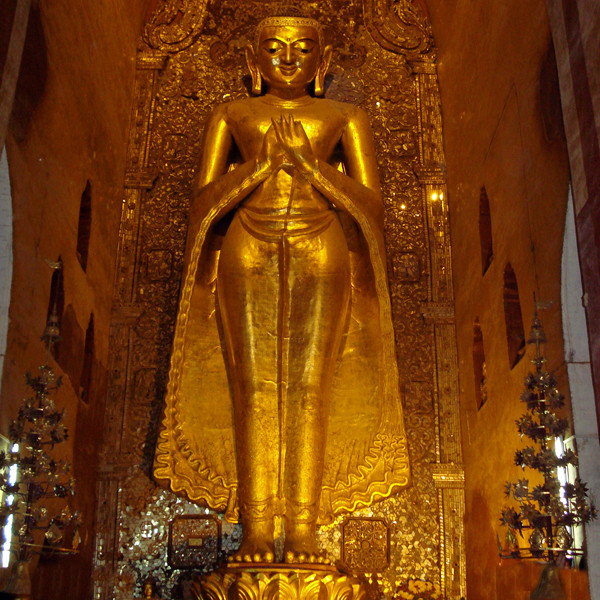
(216, 189)
(358, 192)
(351, 196)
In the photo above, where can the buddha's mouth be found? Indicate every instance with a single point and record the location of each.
(288, 71)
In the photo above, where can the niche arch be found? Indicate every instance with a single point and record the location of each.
(479, 366)
(485, 231)
(513, 318)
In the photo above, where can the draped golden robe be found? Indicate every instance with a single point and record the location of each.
(366, 456)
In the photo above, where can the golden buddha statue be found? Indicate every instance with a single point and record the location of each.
(283, 389)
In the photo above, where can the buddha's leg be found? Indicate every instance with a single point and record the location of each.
(247, 292)
(319, 295)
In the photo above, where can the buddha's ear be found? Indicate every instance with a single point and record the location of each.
(322, 71)
(254, 71)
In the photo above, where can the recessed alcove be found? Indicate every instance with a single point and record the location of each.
(513, 318)
(479, 366)
(485, 231)
(85, 382)
(56, 302)
(85, 226)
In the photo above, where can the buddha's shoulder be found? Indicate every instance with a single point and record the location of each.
(254, 105)
(231, 109)
(349, 111)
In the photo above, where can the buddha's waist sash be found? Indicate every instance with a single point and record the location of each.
(271, 227)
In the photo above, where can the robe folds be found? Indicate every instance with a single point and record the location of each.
(366, 455)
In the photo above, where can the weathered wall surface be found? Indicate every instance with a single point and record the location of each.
(502, 130)
(69, 126)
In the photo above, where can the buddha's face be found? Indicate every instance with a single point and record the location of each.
(288, 57)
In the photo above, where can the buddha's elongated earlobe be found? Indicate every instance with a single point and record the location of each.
(254, 71)
(322, 71)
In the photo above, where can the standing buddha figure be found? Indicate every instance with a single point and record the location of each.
(287, 196)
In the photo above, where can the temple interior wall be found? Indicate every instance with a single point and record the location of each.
(68, 126)
(501, 131)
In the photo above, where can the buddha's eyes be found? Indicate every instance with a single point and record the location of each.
(275, 46)
(272, 46)
(304, 46)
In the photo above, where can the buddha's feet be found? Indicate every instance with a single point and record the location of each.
(254, 550)
(302, 548)
(293, 557)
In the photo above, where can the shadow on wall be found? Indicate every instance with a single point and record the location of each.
(32, 76)
(483, 550)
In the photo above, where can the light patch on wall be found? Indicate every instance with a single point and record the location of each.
(6, 256)
(7, 530)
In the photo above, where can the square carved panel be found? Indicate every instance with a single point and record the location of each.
(194, 541)
(365, 544)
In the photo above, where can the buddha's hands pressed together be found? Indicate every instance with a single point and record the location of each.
(295, 143)
(271, 156)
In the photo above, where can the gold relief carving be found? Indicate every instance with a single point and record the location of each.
(159, 265)
(154, 61)
(128, 245)
(439, 239)
(448, 476)
(106, 536)
(142, 118)
(117, 367)
(365, 545)
(277, 584)
(453, 566)
(424, 64)
(194, 540)
(447, 373)
(420, 421)
(137, 176)
(175, 24)
(399, 26)
(406, 267)
(438, 312)
(140, 179)
(125, 314)
(431, 176)
(432, 157)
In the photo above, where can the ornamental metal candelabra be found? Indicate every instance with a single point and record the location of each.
(549, 511)
(38, 486)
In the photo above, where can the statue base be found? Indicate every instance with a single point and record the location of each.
(268, 581)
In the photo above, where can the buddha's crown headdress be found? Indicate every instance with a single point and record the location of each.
(289, 16)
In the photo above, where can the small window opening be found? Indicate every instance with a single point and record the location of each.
(485, 231)
(85, 384)
(479, 366)
(515, 334)
(56, 302)
(85, 226)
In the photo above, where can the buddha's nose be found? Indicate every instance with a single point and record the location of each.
(287, 57)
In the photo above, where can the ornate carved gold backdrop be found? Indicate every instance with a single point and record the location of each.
(189, 60)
